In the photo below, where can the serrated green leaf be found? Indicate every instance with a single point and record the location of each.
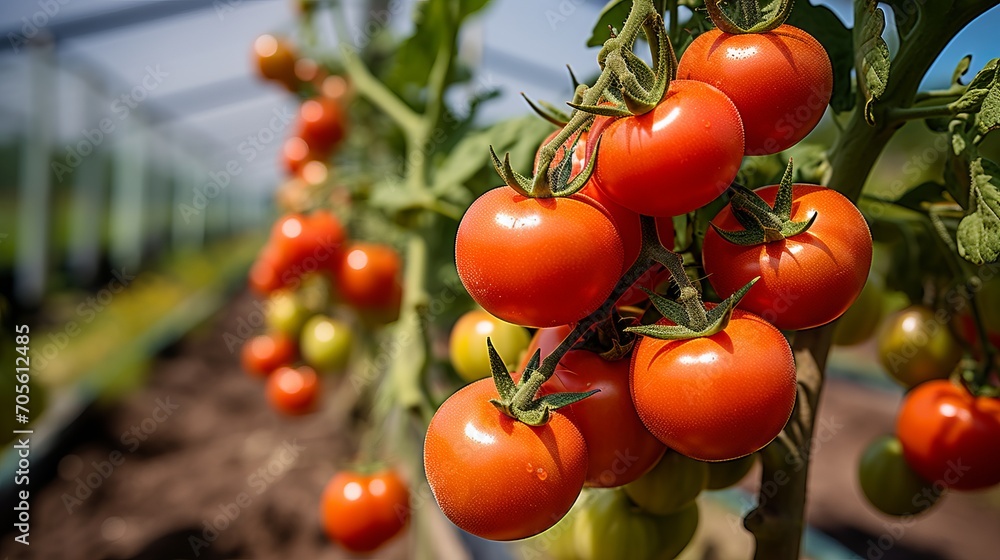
(614, 14)
(989, 113)
(668, 307)
(872, 55)
(820, 22)
(979, 231)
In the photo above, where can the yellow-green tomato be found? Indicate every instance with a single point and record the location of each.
(467, 349)
(608, 525)
(671, 485)
(862, 318)
(286, 313)
(888, 481)
(916, 346)
(326, 343)
(724, 474)
(555, 543)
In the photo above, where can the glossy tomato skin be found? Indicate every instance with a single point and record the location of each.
(674, 159)
(322, 124)
(265, 353)
(467, 343)
(537, 262)
(915, 347)
(719, 397)
(369, 278)
(780, 81)
(293, 391)
(619, 447)
(806, 280)
(888, 482)
(951, 437)
(362, 512)
(325, 236)
(482, 465)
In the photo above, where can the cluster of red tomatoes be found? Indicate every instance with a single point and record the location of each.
(947, 438)
(321, 123)
(320, 285)
(668, 412)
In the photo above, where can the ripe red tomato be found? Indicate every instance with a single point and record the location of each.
(718, 397)
(296, 153)
(806, 280)
(325, 237)
(537, 262)
(290, 239)
(368, 278)
(780, 81)
(275, 60)
(950, 437)
(619, 447)
(322, 124)
(362, 512)
(674, 159)
(293, 391)
(267, 352)
(266, 273)
(482, 466)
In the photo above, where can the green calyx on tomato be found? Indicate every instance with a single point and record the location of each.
(627, 86)
(685, 318)
(764, 223)
(518, 400)
(753, 18)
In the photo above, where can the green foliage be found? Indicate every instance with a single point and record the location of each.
(613, 15)
(872, 59)
(979, 231)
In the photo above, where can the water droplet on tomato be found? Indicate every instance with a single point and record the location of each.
(541, 474)
(530, 468)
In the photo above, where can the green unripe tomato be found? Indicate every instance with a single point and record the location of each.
(286, 313)
(862, 318)
(326, 343)
(556, 542)
(608, 525)
(467, 346)
(671, 485)
(888, 481)
(724, 474)
(915, 346)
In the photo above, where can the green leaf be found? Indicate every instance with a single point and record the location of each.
(471, 156)
(961, 69)
(614, 14)
(980, 88)
(989, 113)
(826, 27)
(668, 307)
(979, 231)
(872, 58)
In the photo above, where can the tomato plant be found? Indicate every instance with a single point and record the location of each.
(914, 347)
(777, 111)
(293, 391)
(361, 512)
(504, 464)
(467, 344)
(513, 254)
(889, 483)
(951, 437)
(719, 397)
